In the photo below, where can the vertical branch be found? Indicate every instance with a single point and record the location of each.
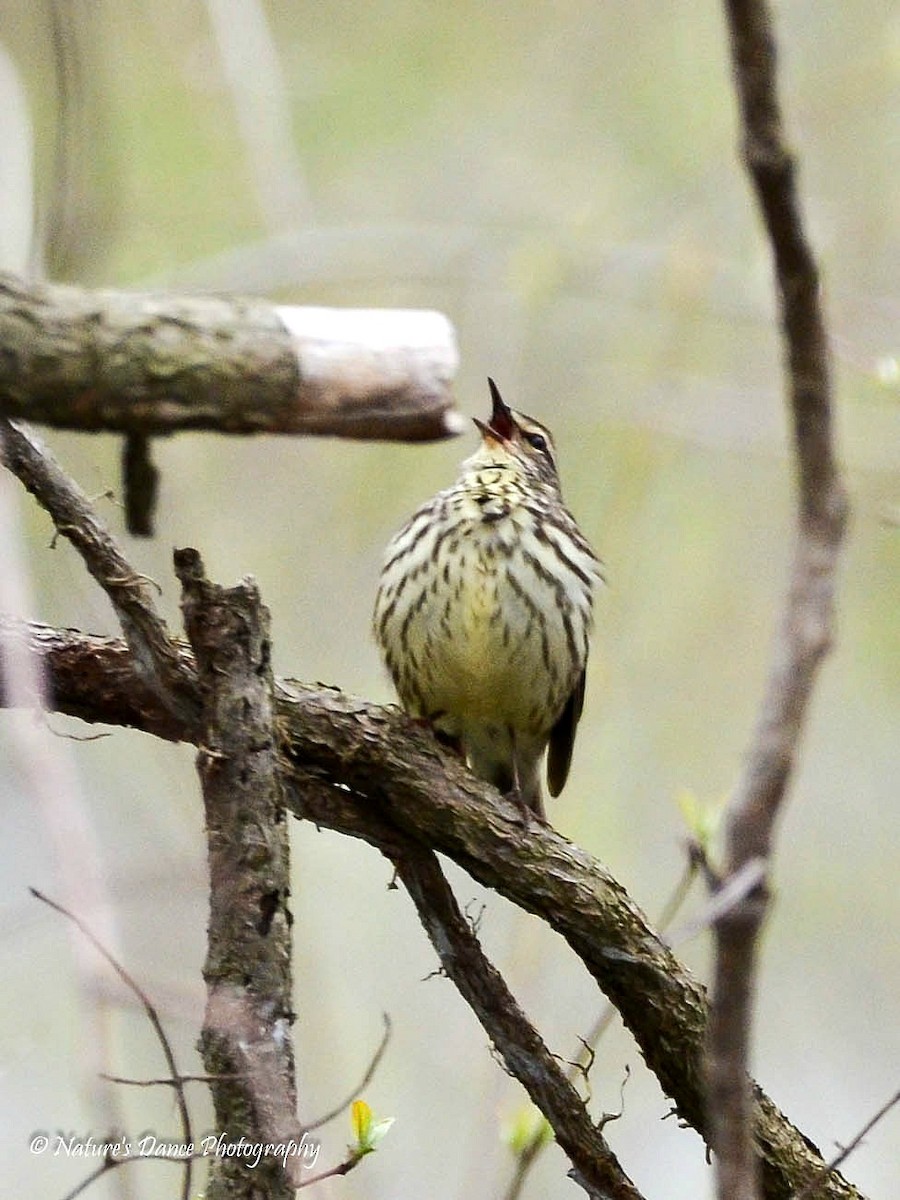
(246, 1039)
(804, 632)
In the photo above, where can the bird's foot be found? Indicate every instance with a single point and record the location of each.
(448, 740)
(528, 814)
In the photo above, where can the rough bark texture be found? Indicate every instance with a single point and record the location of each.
(346, 758)
(246, 1039)
(135, 363)
(518, 1043)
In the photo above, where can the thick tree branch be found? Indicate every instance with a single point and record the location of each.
(146, 364)
(524, 1053)
(804, 633)
(246, 1041)
(377, 759)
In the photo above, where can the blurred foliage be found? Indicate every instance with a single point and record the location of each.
(562, 180)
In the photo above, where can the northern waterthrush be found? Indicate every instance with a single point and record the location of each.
(484, 610)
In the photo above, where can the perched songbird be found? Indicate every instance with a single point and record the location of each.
(484, 610)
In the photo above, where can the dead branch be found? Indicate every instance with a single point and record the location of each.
(246, 1040)
(526, 1057)
(804, 631)
(375, 759)
(157, 364)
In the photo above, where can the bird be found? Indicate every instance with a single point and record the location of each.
(484, 611)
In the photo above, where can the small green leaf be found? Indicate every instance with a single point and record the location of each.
(368, 1133)
(527, 1127)
(361, 1119)
(378, 1131)
(701, 819)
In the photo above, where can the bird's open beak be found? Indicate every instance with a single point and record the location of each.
(501, 425)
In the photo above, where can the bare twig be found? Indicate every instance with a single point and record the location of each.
(161, 1036)
(112, 1162)
(108, 1164)
(363, 1083)
(804, 633)
(813, 1188)
(343, 1168)
(133, 363)
(142, 1083)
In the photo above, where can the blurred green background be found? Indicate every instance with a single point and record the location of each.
(562, 181)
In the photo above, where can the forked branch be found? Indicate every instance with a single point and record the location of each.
(345, 760)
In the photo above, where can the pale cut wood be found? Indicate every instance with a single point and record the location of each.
(158, 364)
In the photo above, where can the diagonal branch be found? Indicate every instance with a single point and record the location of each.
(804, 632)
(170, 677)
(594, 1166)
(524, 1053)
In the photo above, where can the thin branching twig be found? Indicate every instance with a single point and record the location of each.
(811, 1189)
(363, 1083)
(157, 1026)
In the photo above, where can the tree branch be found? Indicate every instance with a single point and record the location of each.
(594, 1166)
(524, 1053)
(175, 1079)
(382, 762)
(246, 1040)
(73, 515)
(804, 633)
(146, 364)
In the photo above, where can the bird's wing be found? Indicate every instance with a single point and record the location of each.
(562, 739)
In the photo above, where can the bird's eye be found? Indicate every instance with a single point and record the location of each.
(537, 440)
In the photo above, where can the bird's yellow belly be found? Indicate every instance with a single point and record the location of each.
(487, 656)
